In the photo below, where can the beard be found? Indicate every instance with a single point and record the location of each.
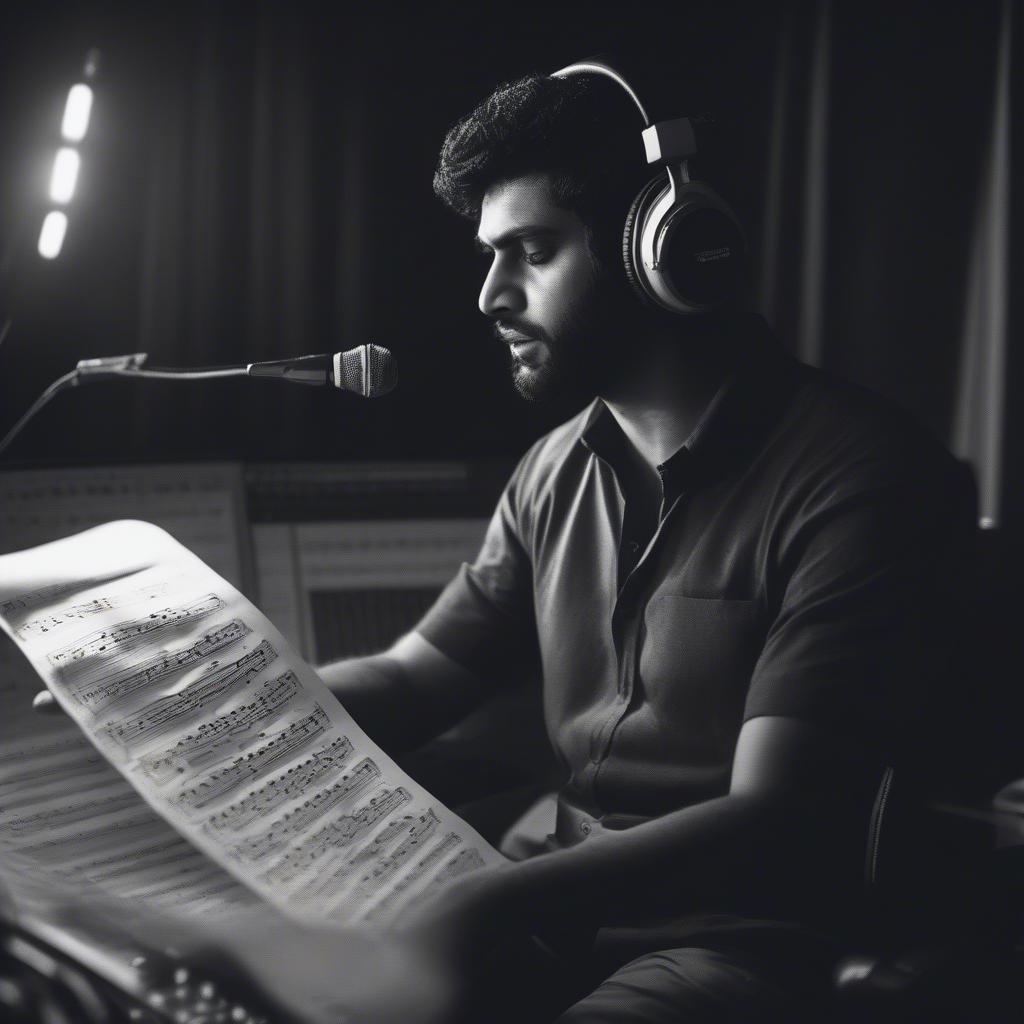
(583, 355)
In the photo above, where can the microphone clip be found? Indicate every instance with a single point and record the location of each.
(106, 364)
(317, 369)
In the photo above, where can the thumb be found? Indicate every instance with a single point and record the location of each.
(45, 703)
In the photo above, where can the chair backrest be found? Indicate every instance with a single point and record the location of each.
(929, 864)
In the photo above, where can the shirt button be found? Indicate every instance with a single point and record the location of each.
(585, 827)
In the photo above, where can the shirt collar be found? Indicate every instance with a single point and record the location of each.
(740, 413)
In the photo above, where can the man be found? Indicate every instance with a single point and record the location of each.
(724, 566)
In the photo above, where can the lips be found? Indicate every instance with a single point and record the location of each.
(528, 352)
(512, 338)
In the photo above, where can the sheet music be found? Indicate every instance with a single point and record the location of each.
(71, 824)
(203, 707)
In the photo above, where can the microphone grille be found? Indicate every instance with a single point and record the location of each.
(368, 370)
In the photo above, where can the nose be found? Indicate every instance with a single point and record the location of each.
(502, 293)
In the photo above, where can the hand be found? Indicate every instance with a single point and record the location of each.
(477, 935)
(468, 920)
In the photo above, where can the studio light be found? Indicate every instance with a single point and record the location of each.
(51, 238)
(65, 175)
(76, 113)
(68, 162)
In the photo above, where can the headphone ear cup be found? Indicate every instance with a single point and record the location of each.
(702, 252)
(637, 210)
(696, 244)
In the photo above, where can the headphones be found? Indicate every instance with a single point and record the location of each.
(682, 247)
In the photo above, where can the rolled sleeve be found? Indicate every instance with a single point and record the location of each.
(864, 612)
(484, 618)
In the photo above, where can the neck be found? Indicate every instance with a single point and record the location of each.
(661, 401)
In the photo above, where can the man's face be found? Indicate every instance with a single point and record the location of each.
(544, 291)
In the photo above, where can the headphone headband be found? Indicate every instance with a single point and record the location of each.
(597, 67)
(665, 141)
(682, 246)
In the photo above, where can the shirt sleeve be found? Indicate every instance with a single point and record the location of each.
(867, 575)
(484, 617)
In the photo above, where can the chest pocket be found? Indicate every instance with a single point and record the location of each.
(695, 666)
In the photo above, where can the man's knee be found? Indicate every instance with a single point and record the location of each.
(695, 986)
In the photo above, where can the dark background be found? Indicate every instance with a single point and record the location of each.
(256, 184)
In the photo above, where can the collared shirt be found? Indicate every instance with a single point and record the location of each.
(790, 572)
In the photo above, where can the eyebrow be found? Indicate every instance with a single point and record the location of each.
(526, 231)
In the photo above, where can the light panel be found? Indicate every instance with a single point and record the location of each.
(65, 175)
(51, 238)
(76, 113)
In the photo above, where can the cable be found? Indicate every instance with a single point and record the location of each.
(105, 369)
(69, 380)
(167, 373)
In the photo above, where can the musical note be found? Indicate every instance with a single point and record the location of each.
(10, 608)
(53, 846)
(463, 862)
(164, 665)
(340, 834)
(295, 822)
(137, 859)
(79, 655)
(59, 816)
(467, 860)
(33, 765)
(283, 745)
(419, 833)
(419, 870)
(329, 881)
(107, 602)
(217, 685)
(284, 787)
(233, 729)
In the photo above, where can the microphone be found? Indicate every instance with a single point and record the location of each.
(368, 370)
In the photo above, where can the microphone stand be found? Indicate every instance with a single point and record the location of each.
(112, 367)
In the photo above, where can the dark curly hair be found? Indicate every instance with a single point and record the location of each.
(571, 129)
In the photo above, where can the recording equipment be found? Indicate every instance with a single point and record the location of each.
(53, 973)
(682, 246)
(367, 370)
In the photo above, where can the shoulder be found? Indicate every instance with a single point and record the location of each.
(553, 459)
(850, 438)
(557, 452)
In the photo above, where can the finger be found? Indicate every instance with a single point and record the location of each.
(45, 703)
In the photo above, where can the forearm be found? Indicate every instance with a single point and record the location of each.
(740, 854)
(374, 690)
(404, 696)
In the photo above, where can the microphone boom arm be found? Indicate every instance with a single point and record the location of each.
(373, 375)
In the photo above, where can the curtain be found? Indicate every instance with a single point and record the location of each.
(888, 214)
(253, 218)
(980, 422)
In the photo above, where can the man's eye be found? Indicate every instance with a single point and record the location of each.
(537, 257)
